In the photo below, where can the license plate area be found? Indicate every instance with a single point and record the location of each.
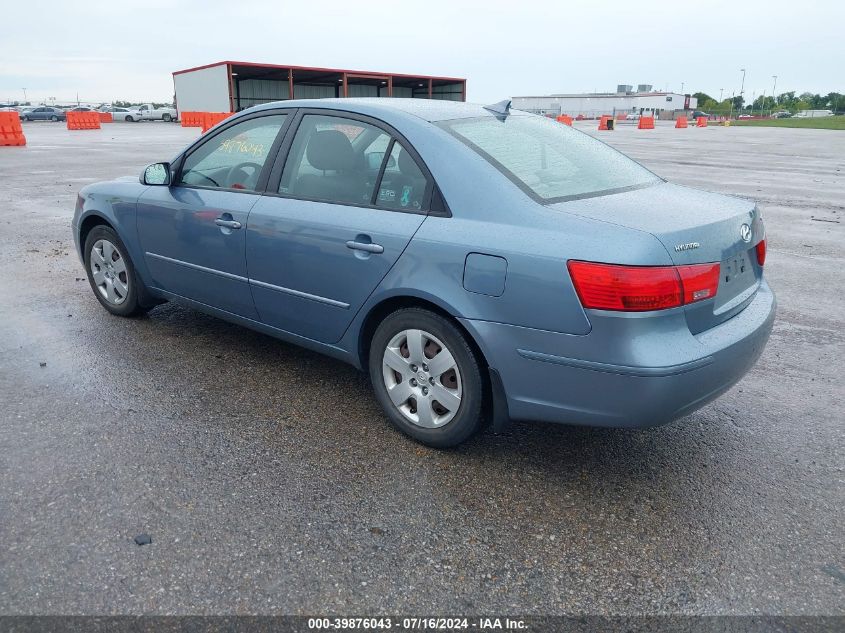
(735, 267)
(736, 277)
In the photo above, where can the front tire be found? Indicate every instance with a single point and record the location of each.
(129, 119)
(426, 377)
(112, 274)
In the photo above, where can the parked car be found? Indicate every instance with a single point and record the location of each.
(803, 114)
(81, 109)
(149, 113)
(125, 114)
(632, 116)
(470, 259)
(782, 115)
(698, 113)
(44, 113)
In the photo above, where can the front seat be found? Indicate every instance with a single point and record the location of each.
(341, 181)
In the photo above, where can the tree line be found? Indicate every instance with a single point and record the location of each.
(787, 101)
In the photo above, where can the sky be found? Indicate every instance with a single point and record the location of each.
(127, 49)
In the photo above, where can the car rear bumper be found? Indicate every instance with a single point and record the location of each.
(629, 371)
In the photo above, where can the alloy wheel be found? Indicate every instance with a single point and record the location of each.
(108, 269)
(422, 378)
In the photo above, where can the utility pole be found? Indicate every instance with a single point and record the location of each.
(774, 85)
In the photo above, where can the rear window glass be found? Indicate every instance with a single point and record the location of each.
(548, 160)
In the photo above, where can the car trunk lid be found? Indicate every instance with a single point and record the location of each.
(695, 227)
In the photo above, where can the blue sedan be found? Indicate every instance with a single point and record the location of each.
(481, 264)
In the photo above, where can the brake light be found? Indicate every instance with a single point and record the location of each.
(761, 252)
(700, 281)
(642, 288)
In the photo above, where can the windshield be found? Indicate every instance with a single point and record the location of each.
(548, 160)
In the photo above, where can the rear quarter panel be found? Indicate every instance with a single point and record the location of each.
(490, 215)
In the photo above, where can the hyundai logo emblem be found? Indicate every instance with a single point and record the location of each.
(745, 233)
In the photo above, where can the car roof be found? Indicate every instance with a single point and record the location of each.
(426, 109)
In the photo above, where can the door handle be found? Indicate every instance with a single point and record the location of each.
(365, 246)
(228, 224)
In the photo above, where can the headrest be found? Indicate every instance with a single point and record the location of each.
(407, 164)
(330, 149)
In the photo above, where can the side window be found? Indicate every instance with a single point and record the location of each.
(334, 159)
(403, 184)
(234, 158)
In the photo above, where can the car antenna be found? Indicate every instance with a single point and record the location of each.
(501, 109)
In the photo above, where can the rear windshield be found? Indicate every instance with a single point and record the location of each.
(548, 160)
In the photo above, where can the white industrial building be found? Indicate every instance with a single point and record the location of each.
(623, 101)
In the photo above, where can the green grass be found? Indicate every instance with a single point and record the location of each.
(819, 123)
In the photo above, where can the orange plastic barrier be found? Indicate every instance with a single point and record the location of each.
(701, 121)
(106, 117)
(603, 121)
(646, 123)
(191, 119)
(11, 132)
(621, 117)
(210, 119)
(83, 121)
(681, 122)
(565, 119)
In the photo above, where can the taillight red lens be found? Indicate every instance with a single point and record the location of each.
(642, 288)
(700, 281)
(761, 252)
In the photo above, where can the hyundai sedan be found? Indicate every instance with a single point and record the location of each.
(481, 264)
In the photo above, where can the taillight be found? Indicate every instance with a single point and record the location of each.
(700, 281)
(642, 288)
(761, 252)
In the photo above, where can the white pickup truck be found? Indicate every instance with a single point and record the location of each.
(149, 113)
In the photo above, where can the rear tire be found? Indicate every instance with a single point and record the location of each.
(111, 273)
(54, 118)
(418, 359)
(166, 118)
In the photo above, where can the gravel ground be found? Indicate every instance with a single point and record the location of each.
(270, 482)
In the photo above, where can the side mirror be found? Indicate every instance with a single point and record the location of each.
(156, 174)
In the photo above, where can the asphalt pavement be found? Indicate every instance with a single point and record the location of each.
(269, 481)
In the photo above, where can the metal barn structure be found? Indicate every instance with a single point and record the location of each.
(229, 86)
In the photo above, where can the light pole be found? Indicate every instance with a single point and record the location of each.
(774, 94)
(24, 95)
(682, 87)
(742, 87)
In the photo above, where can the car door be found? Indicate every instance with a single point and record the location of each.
(39, 114)
(193, 232)
(320, 243)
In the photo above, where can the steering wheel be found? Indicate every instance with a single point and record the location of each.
(242, 173)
